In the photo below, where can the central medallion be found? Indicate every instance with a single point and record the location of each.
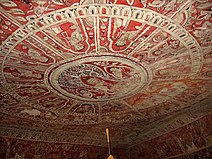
(98, 78)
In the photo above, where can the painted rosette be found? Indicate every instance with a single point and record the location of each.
(98, 78)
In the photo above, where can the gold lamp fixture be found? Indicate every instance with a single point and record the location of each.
(108, 142)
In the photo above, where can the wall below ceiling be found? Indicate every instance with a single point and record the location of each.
(11, 148)
(189, 142)
(194, 139)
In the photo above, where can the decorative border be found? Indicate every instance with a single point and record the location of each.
(108, 10)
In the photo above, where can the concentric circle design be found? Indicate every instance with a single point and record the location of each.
(98, 78)
(72, 68)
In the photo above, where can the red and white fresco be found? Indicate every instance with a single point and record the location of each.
(71, 68)
(188, 142)
(21, 149)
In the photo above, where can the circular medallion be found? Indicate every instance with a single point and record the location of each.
(98, 78)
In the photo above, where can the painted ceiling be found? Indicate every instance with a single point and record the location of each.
(71, 68)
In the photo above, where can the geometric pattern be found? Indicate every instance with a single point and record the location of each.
(143, 68)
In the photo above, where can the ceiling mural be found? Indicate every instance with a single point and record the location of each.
(71, 68)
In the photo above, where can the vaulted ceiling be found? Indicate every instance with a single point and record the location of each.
(71, 68)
